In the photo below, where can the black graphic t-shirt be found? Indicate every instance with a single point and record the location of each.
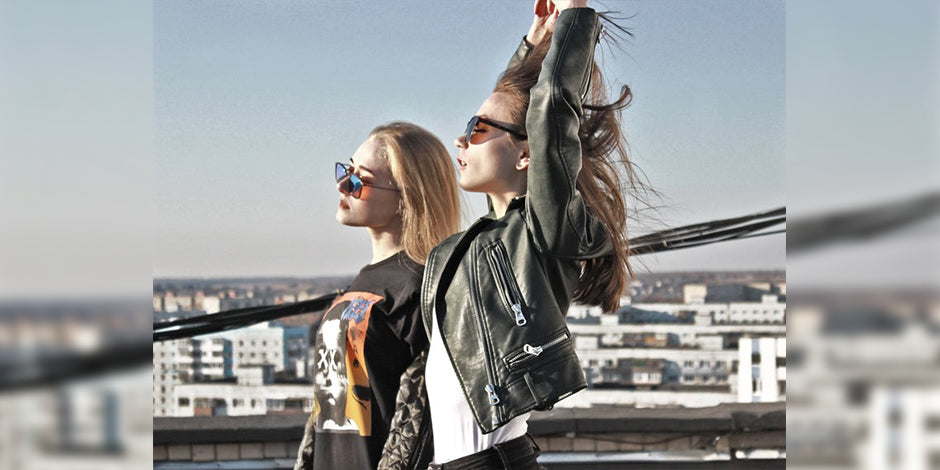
(366, 340)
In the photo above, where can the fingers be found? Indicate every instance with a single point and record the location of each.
(544, 8)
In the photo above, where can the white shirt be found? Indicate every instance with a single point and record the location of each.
(456, 433)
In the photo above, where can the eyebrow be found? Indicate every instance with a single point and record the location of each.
(360, 167)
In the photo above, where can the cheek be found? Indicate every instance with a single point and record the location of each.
(379, 206)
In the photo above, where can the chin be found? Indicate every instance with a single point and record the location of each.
(467, 185)
(344, 219)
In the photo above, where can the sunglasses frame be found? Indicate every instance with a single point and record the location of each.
(354, 184)
(472, 124)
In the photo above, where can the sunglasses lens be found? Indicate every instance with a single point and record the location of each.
(470, 127)
(339, 172)
(354, 186)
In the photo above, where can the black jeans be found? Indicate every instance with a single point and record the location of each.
(517, 454)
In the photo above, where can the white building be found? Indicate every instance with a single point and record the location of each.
(254, 393)
(211, 357)
(701, 346)
(165, 376)
(762, 370)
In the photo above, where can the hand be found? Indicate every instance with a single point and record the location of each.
(564, 4)
(543, 24)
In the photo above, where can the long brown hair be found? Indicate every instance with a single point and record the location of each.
(603, 158)
(421, 167)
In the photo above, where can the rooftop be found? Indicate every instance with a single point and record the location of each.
(727, 436)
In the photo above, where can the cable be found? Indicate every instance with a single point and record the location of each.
(687, 236)
(232, 319)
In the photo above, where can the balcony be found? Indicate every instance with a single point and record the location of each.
(728, 436)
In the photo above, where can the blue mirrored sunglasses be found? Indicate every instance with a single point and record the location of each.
(353, 184)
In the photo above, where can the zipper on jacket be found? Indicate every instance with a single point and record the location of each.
(530, 352)
(491, 391)
(489, 388)
(499, 262)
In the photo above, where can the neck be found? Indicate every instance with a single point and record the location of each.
(501, 201)
(386, 241)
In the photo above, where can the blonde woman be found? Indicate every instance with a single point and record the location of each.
(401, 187)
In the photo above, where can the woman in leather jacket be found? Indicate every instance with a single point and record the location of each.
(543, 148)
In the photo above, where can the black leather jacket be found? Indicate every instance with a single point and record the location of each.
(501, 289)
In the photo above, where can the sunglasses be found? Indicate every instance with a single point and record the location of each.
(472, 129)
(353, 184)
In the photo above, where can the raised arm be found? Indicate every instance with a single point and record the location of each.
(558, 219)
(543, 23)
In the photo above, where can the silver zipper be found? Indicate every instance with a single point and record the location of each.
(530, 352)
(536, 350)
(491, 391)
(520, 318)
(504, 277)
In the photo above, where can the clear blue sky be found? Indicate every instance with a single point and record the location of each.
(174, 139)
(253, 101)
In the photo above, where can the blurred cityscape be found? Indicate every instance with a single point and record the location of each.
(682, 339)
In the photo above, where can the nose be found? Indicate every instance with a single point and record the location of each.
(461, 141)
(343, 185)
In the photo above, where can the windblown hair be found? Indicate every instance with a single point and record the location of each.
(603, 156)
(421, 167)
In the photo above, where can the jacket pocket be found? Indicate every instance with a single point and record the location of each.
(524, 357)
(506, 282)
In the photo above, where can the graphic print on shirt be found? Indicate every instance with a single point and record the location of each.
(342, 395)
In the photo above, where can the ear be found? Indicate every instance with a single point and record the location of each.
(523, 162)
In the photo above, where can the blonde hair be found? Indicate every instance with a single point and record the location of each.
(422, 169)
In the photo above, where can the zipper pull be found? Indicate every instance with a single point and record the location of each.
(491, 391)
(533, 350)
(520, 318)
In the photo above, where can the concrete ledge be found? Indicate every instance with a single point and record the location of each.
(560, 422)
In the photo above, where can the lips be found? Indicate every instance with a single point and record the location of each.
(461, 164)
(343, 205)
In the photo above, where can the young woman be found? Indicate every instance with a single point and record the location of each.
(494, 298)
(401, 187)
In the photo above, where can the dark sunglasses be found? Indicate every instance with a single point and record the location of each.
(353, 184)
(472, 129)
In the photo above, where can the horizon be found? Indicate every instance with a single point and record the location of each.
(772, 271)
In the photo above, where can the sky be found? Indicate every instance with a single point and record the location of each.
(254, 101)
(196, 138)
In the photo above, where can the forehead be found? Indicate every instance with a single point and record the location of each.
(367, 155)
(495, 107)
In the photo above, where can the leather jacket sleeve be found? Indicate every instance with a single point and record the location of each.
(305, 451)
(557, 217)
(521, 52)
(409, 444)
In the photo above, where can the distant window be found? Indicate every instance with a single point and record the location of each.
(183, 402)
